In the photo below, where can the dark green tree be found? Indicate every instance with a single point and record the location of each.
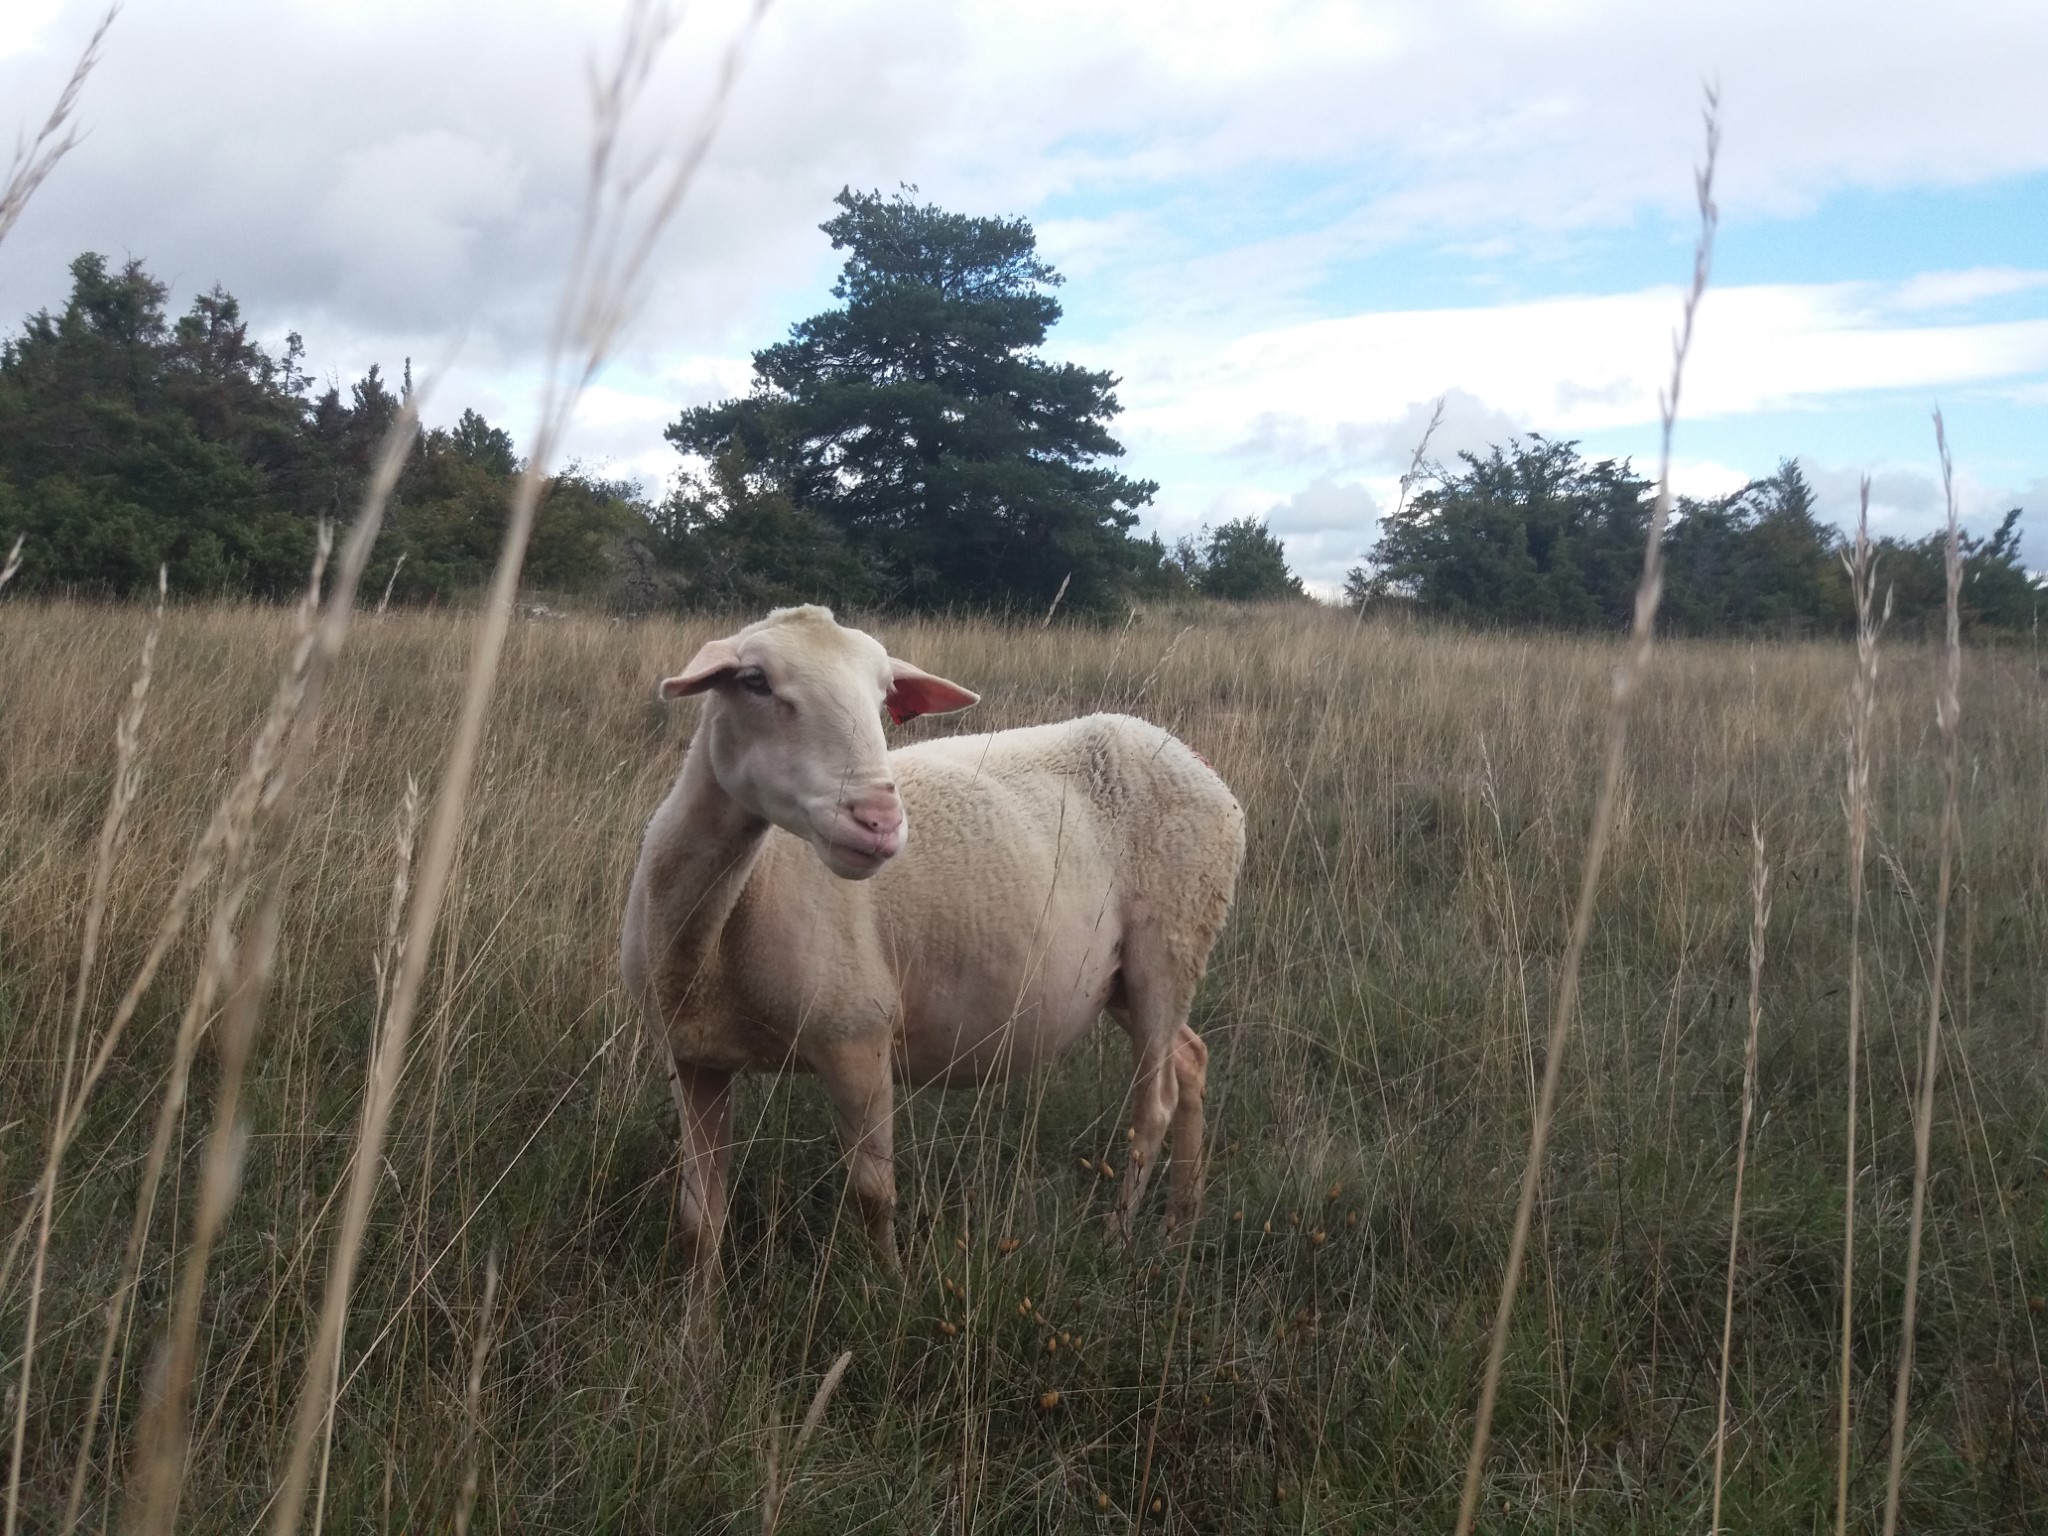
(1997, 592)
(918, 420)
(485, 445)
(736, 539)
(1531, 534)
(1760, 559)
(127, 443)
(1794, 576)
(1245, 562)
(448, 518)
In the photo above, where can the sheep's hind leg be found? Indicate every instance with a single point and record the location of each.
(856, 1076)
(1191, 1071)
(703, 1098)
(1165, 1067)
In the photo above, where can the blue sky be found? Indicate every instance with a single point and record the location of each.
(1289, 226)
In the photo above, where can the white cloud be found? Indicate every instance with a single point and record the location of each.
(1908, 503)
(1951, 290)
(399, 179)
(221, 128)
(1344, 390)
(1704, 479)
(1326, 506)
(25, 23)
(406, 216)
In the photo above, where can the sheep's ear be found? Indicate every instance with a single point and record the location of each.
(913, 692)
(714, 660)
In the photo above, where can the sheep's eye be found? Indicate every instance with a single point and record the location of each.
(755, 681)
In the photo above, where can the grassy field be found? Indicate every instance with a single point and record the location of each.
(1308, 1356)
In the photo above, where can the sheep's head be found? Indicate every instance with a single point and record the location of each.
(793, 726)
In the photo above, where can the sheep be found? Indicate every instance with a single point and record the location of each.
(782, 916)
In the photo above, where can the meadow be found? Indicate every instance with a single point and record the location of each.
(523, 1351)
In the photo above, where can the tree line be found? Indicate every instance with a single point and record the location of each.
(130, 441)
(909, 448)
(1536, 534)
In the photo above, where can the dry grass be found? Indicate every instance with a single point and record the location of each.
(1631, 676)
(1419, 805)
(1304, 1358)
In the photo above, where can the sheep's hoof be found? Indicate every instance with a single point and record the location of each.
(888, 1262)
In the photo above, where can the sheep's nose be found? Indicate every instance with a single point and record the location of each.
(879, 812)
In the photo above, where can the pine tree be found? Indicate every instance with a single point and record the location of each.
(919, 421)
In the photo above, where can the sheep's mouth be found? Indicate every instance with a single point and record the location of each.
(853, 860)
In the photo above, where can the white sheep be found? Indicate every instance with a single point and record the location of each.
(782, 916)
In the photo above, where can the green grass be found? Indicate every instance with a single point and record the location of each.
(1418, 806)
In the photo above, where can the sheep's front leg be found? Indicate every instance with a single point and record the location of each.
(856, 1075)
(703, 1097)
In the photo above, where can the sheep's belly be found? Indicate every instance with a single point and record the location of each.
(958, 1029)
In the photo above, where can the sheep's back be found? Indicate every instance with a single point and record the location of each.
(1115, 799)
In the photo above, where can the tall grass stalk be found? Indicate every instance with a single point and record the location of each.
(780, 1470)
(1628, 679)
(473, 1417)
(1759, 920)
(255, 816)
(33, 161)
(238, 963)
(164, 1433)
(1357, 1009)
(113, 828)
(37, 157)
(614, 242)
(1947, 714)
(1862, 564)
(1412, 474)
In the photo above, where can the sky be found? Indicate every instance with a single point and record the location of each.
(1288, 228)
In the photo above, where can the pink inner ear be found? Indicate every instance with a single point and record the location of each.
(914, 692)
(713, 659)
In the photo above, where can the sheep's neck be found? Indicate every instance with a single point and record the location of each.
(707, 853)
